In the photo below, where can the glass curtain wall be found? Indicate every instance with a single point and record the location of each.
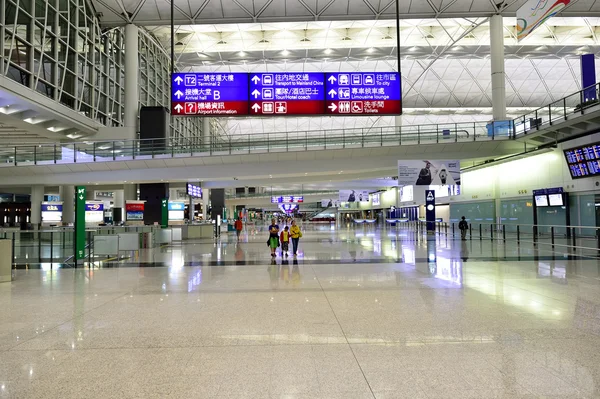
(58, 49)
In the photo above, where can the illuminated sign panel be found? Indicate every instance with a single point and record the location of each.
(286, 93)
(209, 94)
(361, 93)
(287, 199)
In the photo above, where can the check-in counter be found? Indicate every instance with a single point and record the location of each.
(192, 231)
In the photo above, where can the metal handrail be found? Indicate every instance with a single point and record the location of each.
(576, 104)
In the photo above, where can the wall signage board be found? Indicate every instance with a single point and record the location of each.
(80, 239)
(430, 210)
(362, 93)
(286, 93)
(215, 94)
(51, 212)
(134, 211)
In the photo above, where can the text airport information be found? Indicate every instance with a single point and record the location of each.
(280, 94)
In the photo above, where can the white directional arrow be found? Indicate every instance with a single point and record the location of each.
(178, 108)
(255, 79)
(178, 93)
(256, 107)
(332, 79)
(256, 93)
(332, 107)
(178, 80)
(332, 93)
(80, 197)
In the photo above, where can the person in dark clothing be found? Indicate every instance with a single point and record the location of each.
(425, 177)
(463, 226)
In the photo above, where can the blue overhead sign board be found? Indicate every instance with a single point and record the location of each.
(363, 93)
(223, 94)
(287, 93)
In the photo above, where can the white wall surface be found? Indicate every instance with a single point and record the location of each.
(520, 177)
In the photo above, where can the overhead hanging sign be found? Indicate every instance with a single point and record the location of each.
(287, 199)
(363, 93)
(224, 94)
(286, 93)
(534, 13)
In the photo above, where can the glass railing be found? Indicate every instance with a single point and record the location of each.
(126, 150)
(55, 245)
(582, 102)
(327, 193)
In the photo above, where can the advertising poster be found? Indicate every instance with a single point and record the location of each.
(427, 173)
(134, 212)
(534, 13)
(354, 196)
(330, 203)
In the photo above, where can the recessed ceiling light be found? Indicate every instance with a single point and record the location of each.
(242, 54)
(328, 51)
(285, 53)
(370, 50)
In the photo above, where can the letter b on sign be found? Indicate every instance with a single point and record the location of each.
(216, 94)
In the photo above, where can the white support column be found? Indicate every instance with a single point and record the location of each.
(131, 77)
(497, 61)
(205, 203)
(67, 196)
(398, 121)
(130, 192)
(37, 196)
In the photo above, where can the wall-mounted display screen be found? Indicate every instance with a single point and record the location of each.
(541, 200)
(555, 199)
(194, 191)
(583, 161)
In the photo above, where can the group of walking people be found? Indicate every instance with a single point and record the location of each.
(282, 238)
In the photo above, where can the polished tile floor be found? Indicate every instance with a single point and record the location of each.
(361, 313)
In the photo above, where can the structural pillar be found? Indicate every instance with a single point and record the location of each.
(118, 206)
(131, 77)
(67, 196)
(37, 196)
(497, 61)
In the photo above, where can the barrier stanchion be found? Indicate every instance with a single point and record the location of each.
(574, 238)
(552, 235)
(480, 233)
(518, 234)
(504, 232)
(492, 232)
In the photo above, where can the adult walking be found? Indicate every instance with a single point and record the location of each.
(273, 236)
(463, 226)
(296, 234)
(238, 227)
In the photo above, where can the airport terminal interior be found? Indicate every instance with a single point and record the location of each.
(293, 199)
